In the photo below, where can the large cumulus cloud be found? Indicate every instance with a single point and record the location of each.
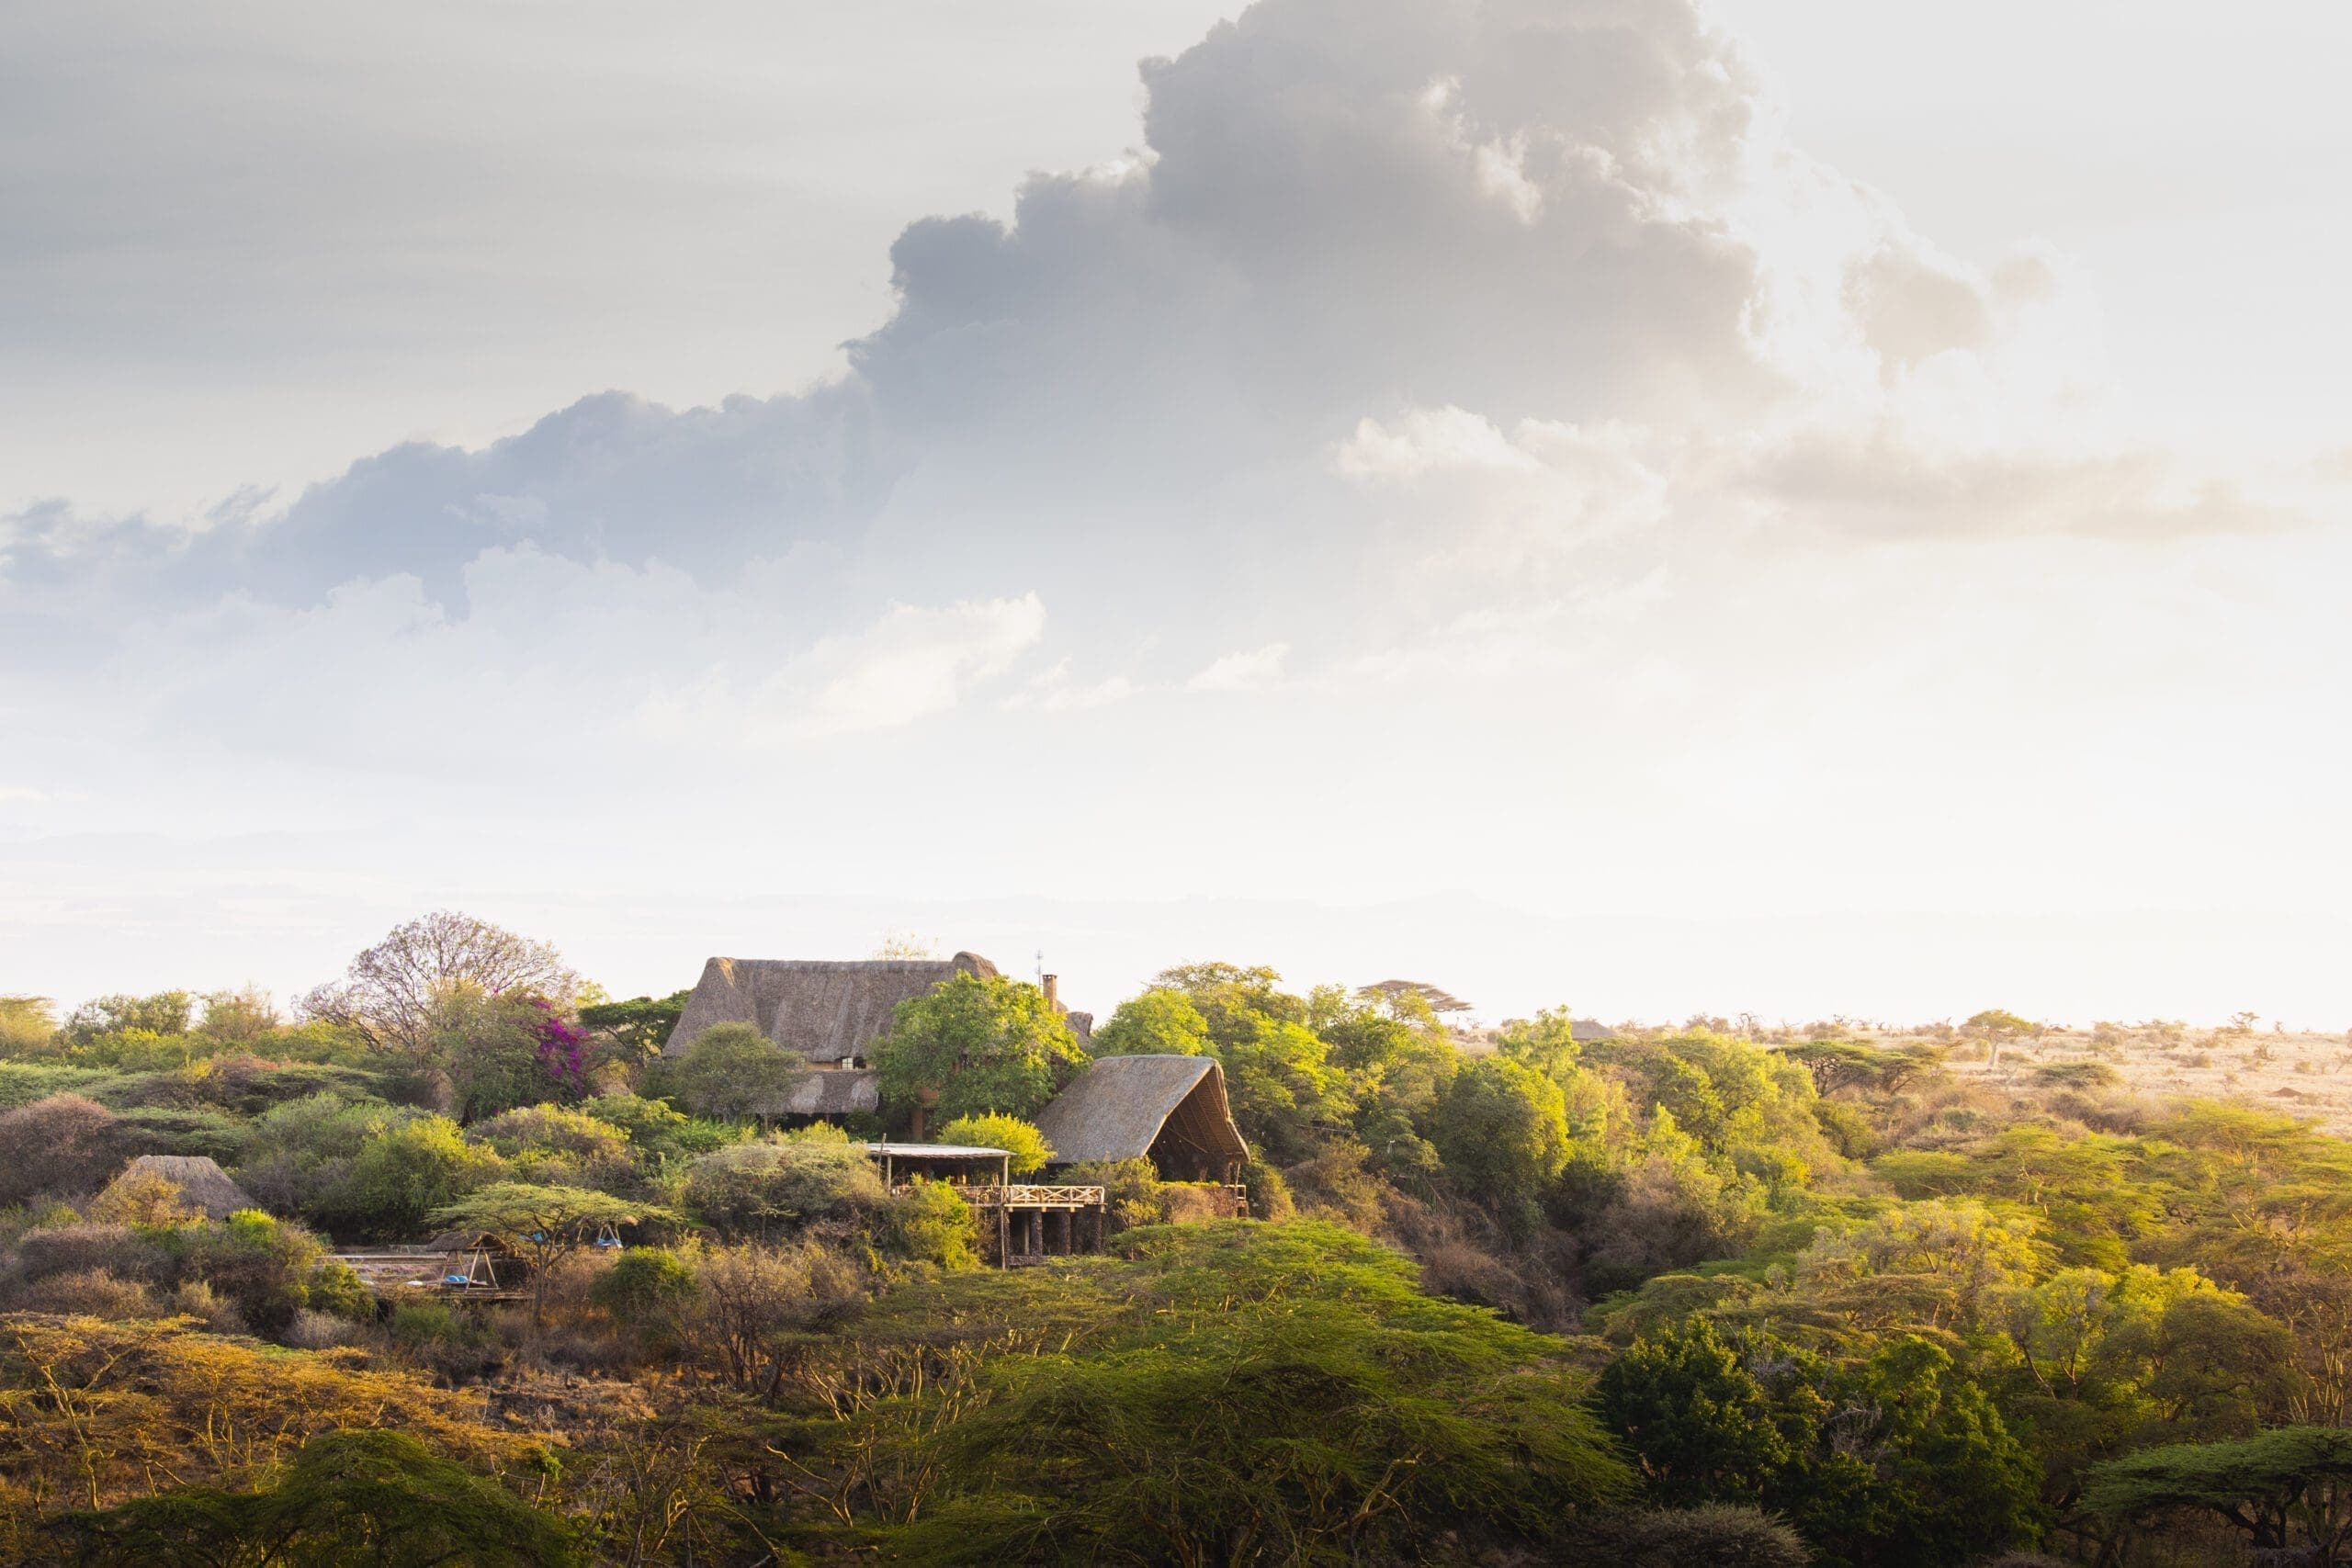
(1406, 310)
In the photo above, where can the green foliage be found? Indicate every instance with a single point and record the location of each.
(1156, 1022)
(21, 1083)
(930, 1223)
(644, 1283)
(166, 1013)
(635, 1030)
(732, 1070)
(378, 1496)
(1502, 1130)
(981, 1044)
(546, 1142)
(28, 1027)
(991, 1131)
(1279, 1075)
(545, 1224)
(1896, 1460)
(657, 1129)
(2284, 1488)
(403, 1171)
(1313, 1405)
(489, 1044)
(778, 1186)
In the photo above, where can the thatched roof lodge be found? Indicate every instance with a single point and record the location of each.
(203, 1185)
(829, 1011)
(1169, 1109)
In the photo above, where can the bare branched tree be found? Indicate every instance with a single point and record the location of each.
(389, 992)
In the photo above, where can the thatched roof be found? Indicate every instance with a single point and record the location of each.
(1132, 1107)
(203, 1185)
(827, 1011)
(832, 1092)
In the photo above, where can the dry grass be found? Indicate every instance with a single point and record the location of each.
(2304, 1075)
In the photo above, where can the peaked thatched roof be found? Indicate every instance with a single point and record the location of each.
(203, 1185)
(827, 1011)
(1122, 1106)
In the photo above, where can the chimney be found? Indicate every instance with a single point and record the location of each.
(1053, 992)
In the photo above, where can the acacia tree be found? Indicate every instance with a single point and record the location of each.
(544, 1224)
(391, 992)
(2287, 1483)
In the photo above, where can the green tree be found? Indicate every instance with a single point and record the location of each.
(990, 1131)
(2283, 1488)
(1700, 1423)
(1890, 1461)
(491, 1046)
(1502, 1130)
(27, 1028)
(1157, 1022)
(545, 1225)
(401, 1172)
(731, 1070)
(1546, 1043)
(980, 1043)
(637, 1029)
(166, 1013)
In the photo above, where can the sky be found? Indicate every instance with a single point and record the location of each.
(1805, 508)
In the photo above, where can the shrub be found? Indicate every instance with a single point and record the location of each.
(769, 1187)
(930, 1223)
(92, 1292)
(63, 1143)
(402, 1173)
(750, 1304)
(990, 1129)
(318, 1330)
(645, 1285)
(656, 1128)
(1270, 1195)
(1717, 1535)
(1130, 1189)
(71, 1248)
(545, 1140)
(733, 1070)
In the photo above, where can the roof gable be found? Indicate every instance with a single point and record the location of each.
(1120, 1106)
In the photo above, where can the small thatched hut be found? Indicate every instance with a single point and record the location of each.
(1169, 1109)
(203, 1185)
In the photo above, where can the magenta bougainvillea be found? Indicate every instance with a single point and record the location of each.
(563, 1046)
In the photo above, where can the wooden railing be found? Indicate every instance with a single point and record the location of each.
(989, 1196)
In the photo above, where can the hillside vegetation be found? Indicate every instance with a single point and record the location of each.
(1676, 1295)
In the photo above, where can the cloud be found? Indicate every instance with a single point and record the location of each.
(1413, 327)
(1242, 672)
